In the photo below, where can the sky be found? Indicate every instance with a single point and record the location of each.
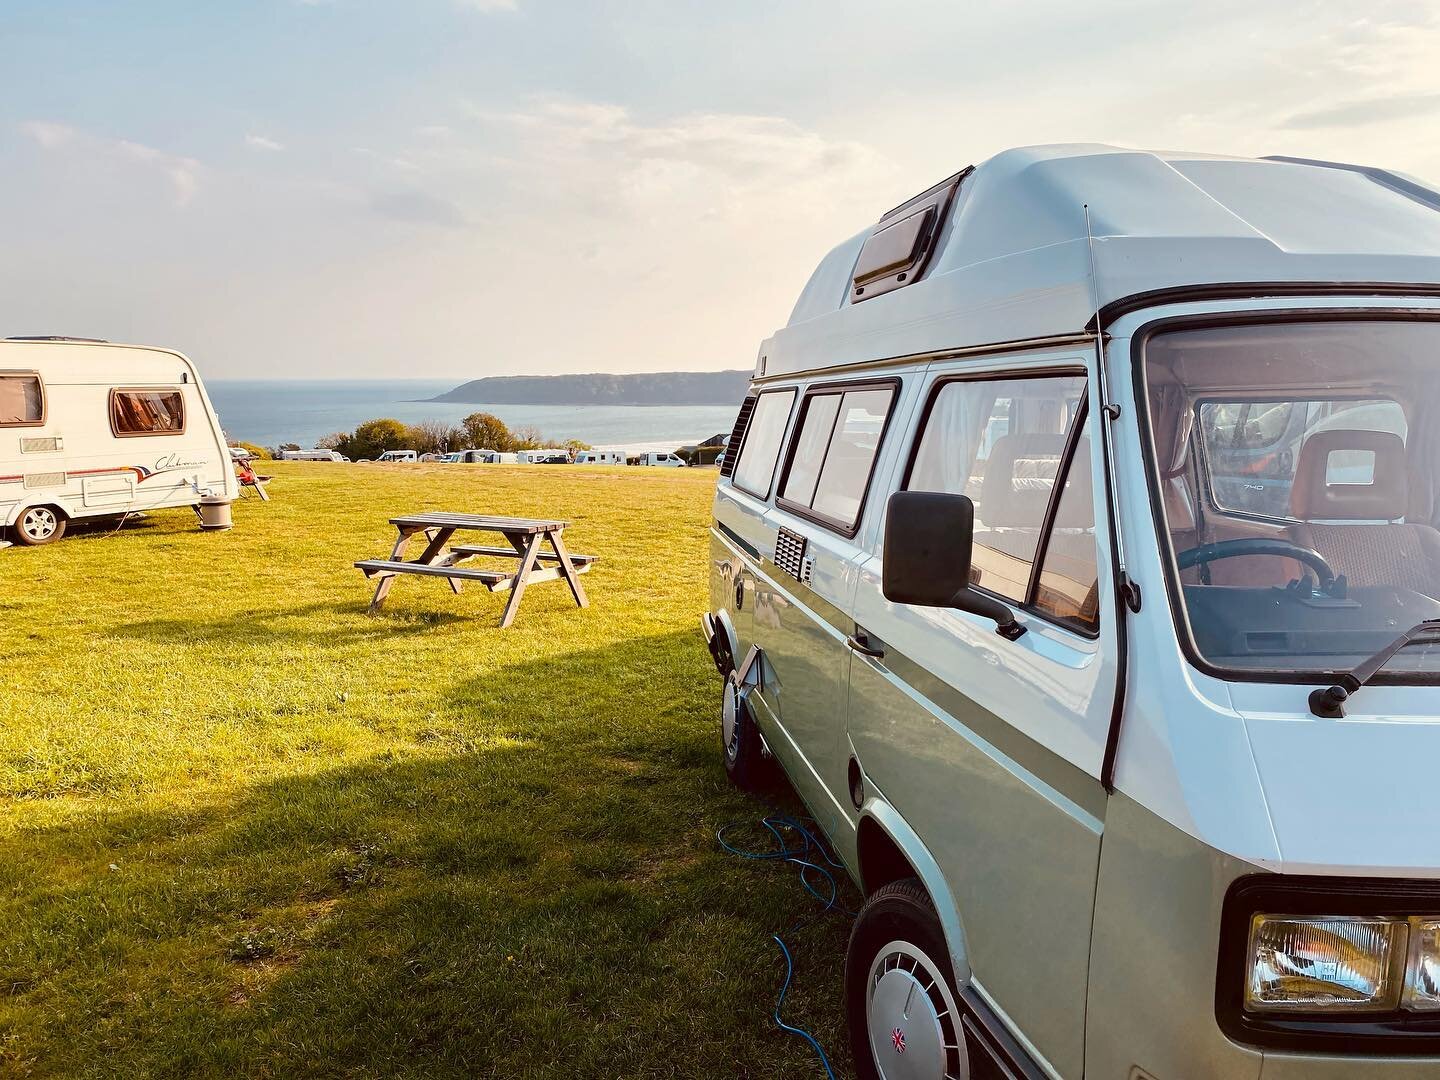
(458, 188)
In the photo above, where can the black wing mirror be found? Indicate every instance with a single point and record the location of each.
(929, 537)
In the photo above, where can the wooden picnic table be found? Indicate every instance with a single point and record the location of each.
(525, 537)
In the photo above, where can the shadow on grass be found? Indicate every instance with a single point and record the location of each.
(535, 892)
(280, 628)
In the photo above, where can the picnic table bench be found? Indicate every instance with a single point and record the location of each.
(525, 537)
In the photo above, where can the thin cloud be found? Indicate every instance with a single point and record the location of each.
(1366, 111)
(260, 142)
(418, 207)
(182, 173)
(486, 6)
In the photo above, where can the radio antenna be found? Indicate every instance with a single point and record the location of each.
(1102, 383)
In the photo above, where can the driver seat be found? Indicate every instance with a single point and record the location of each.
(1359, 528)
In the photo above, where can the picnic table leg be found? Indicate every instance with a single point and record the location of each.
(438, 539)
(527, 563)
(568, 569)
(382, 588)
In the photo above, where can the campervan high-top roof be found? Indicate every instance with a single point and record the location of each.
(1004, 253)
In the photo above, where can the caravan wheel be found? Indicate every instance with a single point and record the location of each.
(39, 525)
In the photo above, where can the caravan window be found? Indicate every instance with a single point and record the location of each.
(1005, 443)
(755, 467)
(833, 453)
(147, 412)
(22, 400)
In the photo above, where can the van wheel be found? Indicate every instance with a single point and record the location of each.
(900, 999)
(39, 525)
(740, 740)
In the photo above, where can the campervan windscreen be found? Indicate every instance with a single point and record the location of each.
(1296, 473)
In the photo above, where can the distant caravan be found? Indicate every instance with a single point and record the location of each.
(91, 429)
(312, 455)
(600, 457)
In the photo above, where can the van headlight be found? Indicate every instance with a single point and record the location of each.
(1331, 965)
(1422, 975)
(1336, 963)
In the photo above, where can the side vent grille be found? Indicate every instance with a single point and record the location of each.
(44, 479)
(46, 444)
(790, 554)
(737, 435)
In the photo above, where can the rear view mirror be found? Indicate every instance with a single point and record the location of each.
(929, 537)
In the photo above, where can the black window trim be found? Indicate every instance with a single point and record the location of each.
(1072, 439)
(842, 387)
(779, 450)
(115, 391)
(29, 373)
(1150, 458)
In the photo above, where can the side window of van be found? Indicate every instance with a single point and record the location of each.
(833, 452)
(1011, 445)
(755, 467)
(147, 412)
(22, 400)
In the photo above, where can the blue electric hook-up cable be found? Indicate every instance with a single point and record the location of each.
(805, 857)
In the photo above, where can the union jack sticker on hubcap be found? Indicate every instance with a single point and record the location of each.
(898, 1038)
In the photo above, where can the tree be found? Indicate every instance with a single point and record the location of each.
(486, 431)
(434, 437)
(259, 453)
(374, 437)
(289, 446)
(526, 437)
(575, 446)
(331, 441)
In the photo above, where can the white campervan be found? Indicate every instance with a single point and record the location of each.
(600, 457)
(1077, 557)
(95, 429)
(660, 458)
(408, 456)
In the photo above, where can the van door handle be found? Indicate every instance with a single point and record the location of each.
(860, 642)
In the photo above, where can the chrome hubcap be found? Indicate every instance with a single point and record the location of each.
(729, 725)
(38, 523)
(911, 1018)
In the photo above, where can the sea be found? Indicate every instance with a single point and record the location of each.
(270, 412)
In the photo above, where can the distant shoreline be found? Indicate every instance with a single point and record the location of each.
(649, 389)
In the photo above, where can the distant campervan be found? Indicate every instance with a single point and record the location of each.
(399, 455)
(1076, 555)
(93, 429)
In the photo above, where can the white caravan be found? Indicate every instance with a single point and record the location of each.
(95, 429)
(600, 457)
(399, 455)
(311, 455)
(1078, 559)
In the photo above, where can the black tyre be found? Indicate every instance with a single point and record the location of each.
(900, 997)
(39, 525)
(740, 741)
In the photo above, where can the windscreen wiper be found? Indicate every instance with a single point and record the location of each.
(1330, 702)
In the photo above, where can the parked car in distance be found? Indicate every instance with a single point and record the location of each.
(1072, 585)
(399, 455)
(658, 458)
(94, 429)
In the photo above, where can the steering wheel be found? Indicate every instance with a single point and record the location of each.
(1259, 545)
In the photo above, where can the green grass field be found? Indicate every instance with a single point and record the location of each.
(246, 830)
